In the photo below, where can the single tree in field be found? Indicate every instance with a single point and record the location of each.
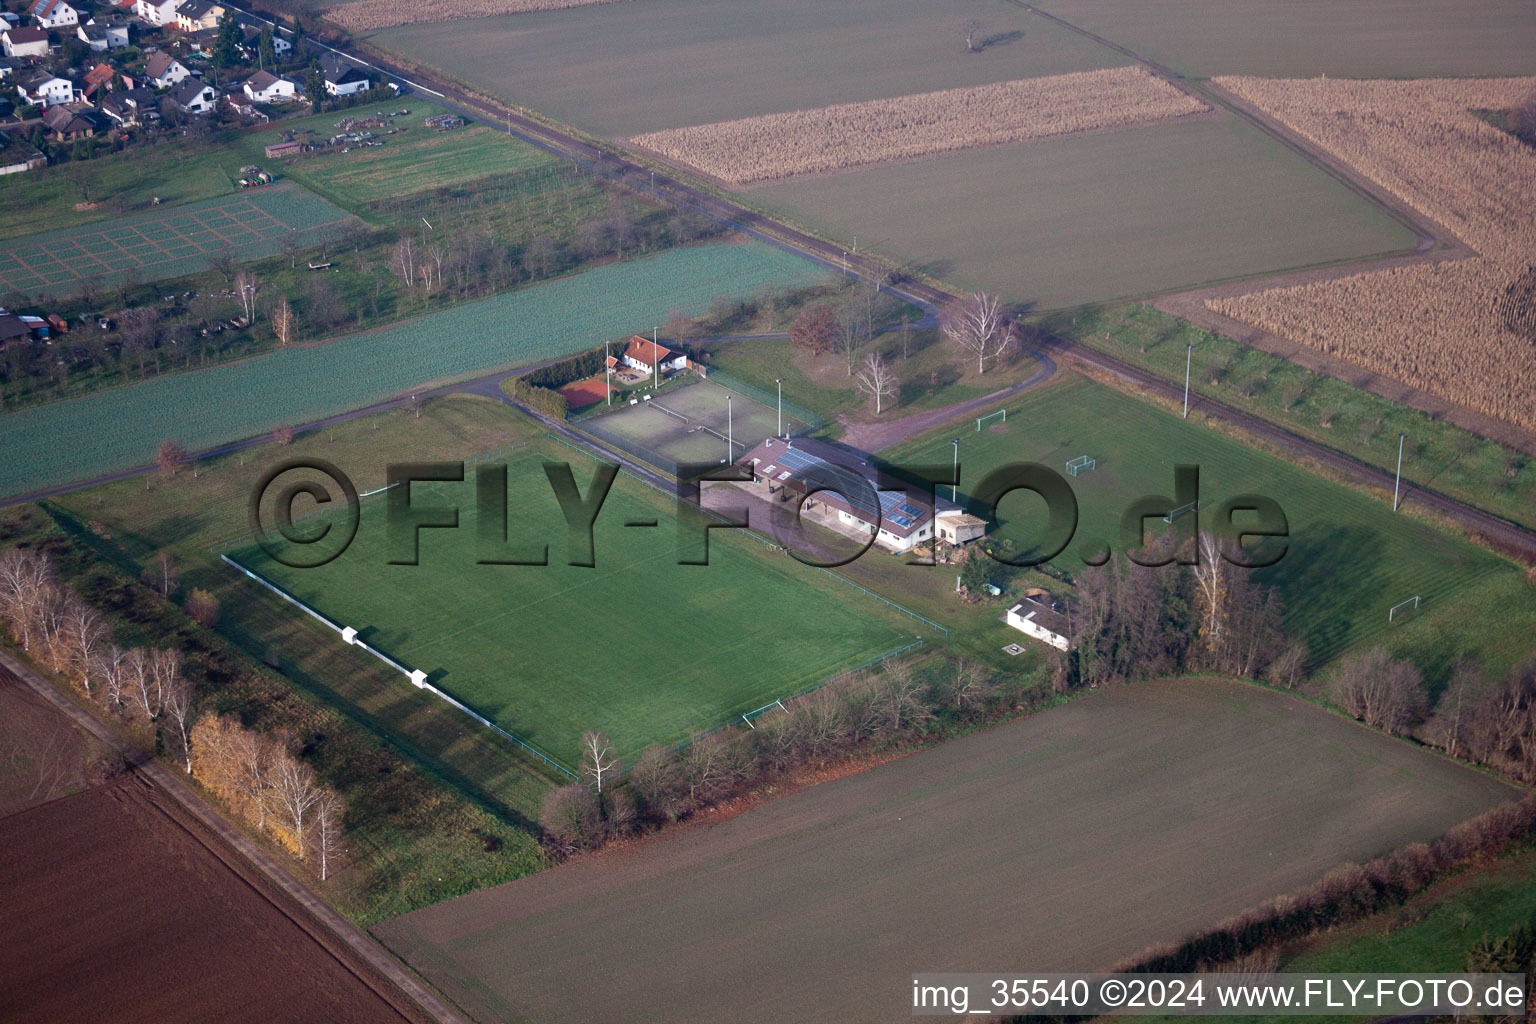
(1524, 119)
(978, 326)
(282, 434)
(285, 324)
(170, 457)
(851, 335)
(222, 260)
(599, 761)
(971, 32)
(162, 575)
(814, 329)
(876, 379)
(329, 811)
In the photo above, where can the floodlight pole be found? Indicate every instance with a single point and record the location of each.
(780, 382)
(608, 369)
(1398, 486)
(730, 432)
(655, 363)
(954, 489)
(1189, 352)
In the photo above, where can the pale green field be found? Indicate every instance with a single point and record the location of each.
(623, 69)
(1061, 222)
(1306, 38)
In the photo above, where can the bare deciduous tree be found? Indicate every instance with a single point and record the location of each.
(295, 790)
(222, 261)
(330, 809)
(26, 577)
(170, 457)
(1379, 691)
(285, 324)
(971, 33)
(85, 633)
(246, 287)
(978, 326)
(177, 702)
(599, 761)
(162, 575)
(202, 607)
(877, 380)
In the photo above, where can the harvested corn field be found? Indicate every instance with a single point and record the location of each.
(1448, 328)
(365, 15)
(846, 135)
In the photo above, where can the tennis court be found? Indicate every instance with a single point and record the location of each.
(176, 242)
(702, 421)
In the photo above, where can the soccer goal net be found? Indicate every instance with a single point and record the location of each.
(1081, 464)
(1182, 511)
(1403, 608)
(991, 416)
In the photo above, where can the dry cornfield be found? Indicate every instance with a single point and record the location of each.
(1450, 328)
(364, 15)
(846, 135)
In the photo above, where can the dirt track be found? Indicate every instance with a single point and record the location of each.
(120, 909)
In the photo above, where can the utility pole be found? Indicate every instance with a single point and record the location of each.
(1398, 486)
(1189, 352)
(780, 382)
(954, 490)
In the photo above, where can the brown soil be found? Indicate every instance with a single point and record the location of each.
(42, 756)
(119, 908)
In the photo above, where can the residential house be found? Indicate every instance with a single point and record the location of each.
(1043, 618)
(25, 42)
(54, 14)
(194, 96)
(10, 65)
(157, 12)
(66, 123)
(651, 358)
(46, 89)
(104, 35)
(164, 70)
(244, 108)
(17, 156)
(265, 87)
(841, 489)
(342, 77)
(99, 77)
(196, 15)
(131, 107)
(251, 44)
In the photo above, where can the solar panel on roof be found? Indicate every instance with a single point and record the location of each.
(909, 509)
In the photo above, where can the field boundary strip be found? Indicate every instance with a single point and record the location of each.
(417, 678)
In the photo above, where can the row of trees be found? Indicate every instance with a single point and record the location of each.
(894, 704)
(149, 689)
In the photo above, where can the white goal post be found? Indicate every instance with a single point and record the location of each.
(1081, 464)
(982, 419)
(1396, 611)
(1183, 510)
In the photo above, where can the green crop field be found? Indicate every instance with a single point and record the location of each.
(636, 646)
(1067, 840)
(1358, 39)
(161, 245)
(1350, 558)
(117, 429)
(624, 69)
(1060, 222)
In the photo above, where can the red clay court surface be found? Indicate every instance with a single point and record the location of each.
(121, 909)
(584, 393)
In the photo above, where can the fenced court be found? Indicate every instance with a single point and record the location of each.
(638, 646)
(158, 245)
(689, 423)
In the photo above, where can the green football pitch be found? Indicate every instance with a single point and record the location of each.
(637, 646)
(1349, 560)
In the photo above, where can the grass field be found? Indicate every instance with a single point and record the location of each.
(1438, 455)
(1349, 558)
(811, 897)
(419, 160)
(1065, 221)
(120, 428)
(1359, 39)
(690, 423)
(167, 244)
(637, 646)
(669, 63)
